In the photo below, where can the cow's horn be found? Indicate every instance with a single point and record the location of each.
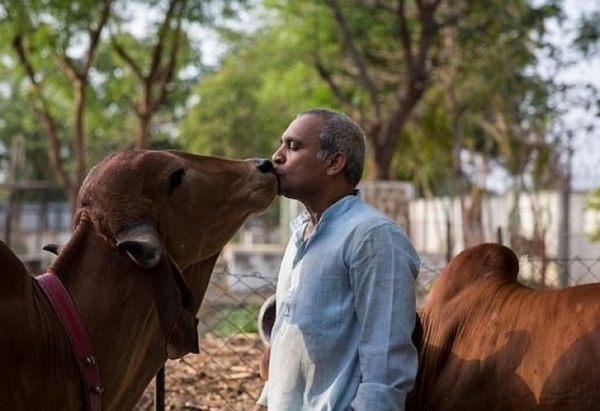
(142, 244)
(52, 248)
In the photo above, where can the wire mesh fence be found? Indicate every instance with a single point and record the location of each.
(224, 376)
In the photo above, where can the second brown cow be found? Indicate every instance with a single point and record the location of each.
(490, 343)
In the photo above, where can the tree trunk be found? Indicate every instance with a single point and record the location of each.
(386, 112)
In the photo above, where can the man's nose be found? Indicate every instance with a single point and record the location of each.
(277, 157)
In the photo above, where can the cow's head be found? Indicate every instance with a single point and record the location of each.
(172, 212)
(150, 202)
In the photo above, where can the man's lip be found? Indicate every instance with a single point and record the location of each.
(278, 178)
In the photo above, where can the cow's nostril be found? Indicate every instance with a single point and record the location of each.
(264, 165)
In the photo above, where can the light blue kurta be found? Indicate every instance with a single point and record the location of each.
(345, 314)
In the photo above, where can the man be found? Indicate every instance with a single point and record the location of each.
(345, 293)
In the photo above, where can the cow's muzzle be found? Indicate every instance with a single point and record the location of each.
(264, 165)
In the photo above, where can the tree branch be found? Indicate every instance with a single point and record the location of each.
(165, 74)
(335, 88)
(127, 58)
(356, 56)
(44, 112)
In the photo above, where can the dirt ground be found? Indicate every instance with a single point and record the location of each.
(223, 377)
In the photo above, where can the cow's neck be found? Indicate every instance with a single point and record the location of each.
(117, 306)
(14, 278)
(198, 278)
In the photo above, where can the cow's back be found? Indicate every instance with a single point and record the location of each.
(497, 345)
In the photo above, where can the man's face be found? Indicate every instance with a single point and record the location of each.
(301, 173)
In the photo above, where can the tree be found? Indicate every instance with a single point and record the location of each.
(17, 123)
(82, 59)
(498, 104)
(54, 29)
(151, 67)
(587, 41)
(593, 203)
(242, 107)
(377, 58)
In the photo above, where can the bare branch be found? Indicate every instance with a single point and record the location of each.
(335, 88)
(94, 35)
(165, 74)
(127, 58)
(44, 112)
(405, 36)
(356, 56)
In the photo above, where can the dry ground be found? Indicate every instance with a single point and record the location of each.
(223, 377)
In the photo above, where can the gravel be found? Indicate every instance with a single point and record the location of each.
(223, 377)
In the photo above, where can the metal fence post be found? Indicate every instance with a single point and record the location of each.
(159, 394)
(564, 246)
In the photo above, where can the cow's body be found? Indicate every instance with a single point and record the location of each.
(492, 344)
(148, 229)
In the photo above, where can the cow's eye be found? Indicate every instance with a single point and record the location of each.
(176, 179)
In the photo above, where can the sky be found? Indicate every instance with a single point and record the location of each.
(585, 162)
(584, 143)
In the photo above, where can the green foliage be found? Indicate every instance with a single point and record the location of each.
(484, 95)
(588, 37)
(425, 158)
(237, 319)
(593, 203)
(56, 34)
(52, 38)
(497, 106)
(243, 107)
(18, 122)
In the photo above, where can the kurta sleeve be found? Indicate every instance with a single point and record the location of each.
(263, 399)
(383, 270)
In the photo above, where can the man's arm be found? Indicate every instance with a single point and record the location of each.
(264, 374)
(384, 269)
(264, 363)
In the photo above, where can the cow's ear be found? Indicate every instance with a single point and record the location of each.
(175, 307)
(142, 244)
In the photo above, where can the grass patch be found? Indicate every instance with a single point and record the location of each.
(236, 320)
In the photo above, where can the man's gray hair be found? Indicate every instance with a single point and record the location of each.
(342, 134)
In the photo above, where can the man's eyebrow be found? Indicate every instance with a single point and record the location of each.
(287, 139)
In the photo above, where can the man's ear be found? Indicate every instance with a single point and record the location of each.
(335, 163)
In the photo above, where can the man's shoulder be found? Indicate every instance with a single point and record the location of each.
(371, 214)
(364, 220)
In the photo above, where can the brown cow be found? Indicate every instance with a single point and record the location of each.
(490, 343)
(148, 228)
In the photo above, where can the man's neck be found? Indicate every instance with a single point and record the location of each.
(315, 211)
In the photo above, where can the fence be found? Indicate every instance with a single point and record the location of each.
(224, 376)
